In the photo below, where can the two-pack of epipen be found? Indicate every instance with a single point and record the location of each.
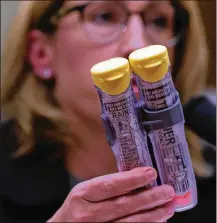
(157, 115)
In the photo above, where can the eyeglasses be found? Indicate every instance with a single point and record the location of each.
(105, 22)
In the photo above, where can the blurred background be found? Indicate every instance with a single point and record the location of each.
(8, 9)
(208, 9)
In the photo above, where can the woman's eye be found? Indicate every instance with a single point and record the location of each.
(104, 17)
(160, 22)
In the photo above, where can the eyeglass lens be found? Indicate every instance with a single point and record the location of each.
(106, 21)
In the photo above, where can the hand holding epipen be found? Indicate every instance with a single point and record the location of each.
(157, 115)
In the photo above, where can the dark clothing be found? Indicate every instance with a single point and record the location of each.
(33, 187)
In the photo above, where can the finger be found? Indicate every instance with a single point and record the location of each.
(133, 203)
(116, 184)
(160, 214)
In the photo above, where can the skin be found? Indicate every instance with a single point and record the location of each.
(77, 96)
(108, 198)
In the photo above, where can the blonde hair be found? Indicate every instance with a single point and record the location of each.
(25, 97)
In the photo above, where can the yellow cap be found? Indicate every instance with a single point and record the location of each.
(150, 63)
(112, 76)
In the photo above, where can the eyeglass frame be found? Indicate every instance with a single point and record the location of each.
(54, 17)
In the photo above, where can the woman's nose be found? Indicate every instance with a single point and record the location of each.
(134, 37)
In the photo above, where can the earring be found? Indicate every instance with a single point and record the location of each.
(47, 73)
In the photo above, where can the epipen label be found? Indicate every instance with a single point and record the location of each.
(120, 109)
(172, 153)
(131, 143)
(158, 95)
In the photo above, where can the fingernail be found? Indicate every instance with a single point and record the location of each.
(150, 174)
(169, 191)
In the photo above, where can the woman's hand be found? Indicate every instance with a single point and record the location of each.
(114, 198)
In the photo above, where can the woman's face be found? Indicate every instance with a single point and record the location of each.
(77, 45)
